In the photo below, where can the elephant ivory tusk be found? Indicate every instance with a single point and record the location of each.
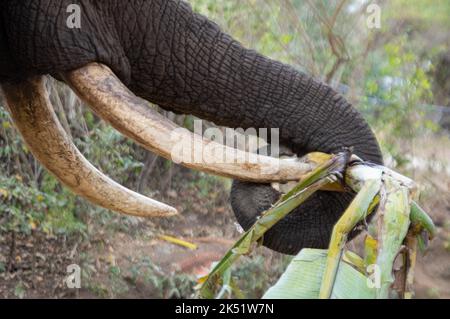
(36, 120)
(132, 116)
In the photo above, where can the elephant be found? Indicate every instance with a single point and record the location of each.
(124, 53)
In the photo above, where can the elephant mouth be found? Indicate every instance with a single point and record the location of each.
(111, 100)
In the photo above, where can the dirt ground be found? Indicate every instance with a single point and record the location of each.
(136, 263)
(129, 261)
(120, 264)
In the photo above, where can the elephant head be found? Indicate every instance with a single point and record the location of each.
(123, 52)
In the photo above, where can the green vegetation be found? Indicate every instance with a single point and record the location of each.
(400, 224)
(388, 73)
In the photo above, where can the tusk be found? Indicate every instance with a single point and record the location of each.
(110, 99)
(36, 120)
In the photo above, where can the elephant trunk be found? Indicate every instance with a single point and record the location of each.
(166, 53)
(197, 69)
(190, 66)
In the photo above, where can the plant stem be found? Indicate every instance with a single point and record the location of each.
(322, 175)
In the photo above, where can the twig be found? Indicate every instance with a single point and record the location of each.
(149, 165)
(12, 251)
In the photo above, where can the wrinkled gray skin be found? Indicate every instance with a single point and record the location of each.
(180, 60)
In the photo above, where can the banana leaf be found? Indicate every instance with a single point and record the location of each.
(303, 277)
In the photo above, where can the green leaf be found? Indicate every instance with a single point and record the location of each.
(303, 277)
(20, 290)
(419, 216)
(286, 38)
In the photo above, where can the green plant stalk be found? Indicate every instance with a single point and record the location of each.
(357, 210)
(362, 178)
(355, 260)
(357, 174)
(322, 175)
(420, 217)
(243, 245)
(393, 226)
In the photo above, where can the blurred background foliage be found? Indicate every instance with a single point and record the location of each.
(397, 75)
